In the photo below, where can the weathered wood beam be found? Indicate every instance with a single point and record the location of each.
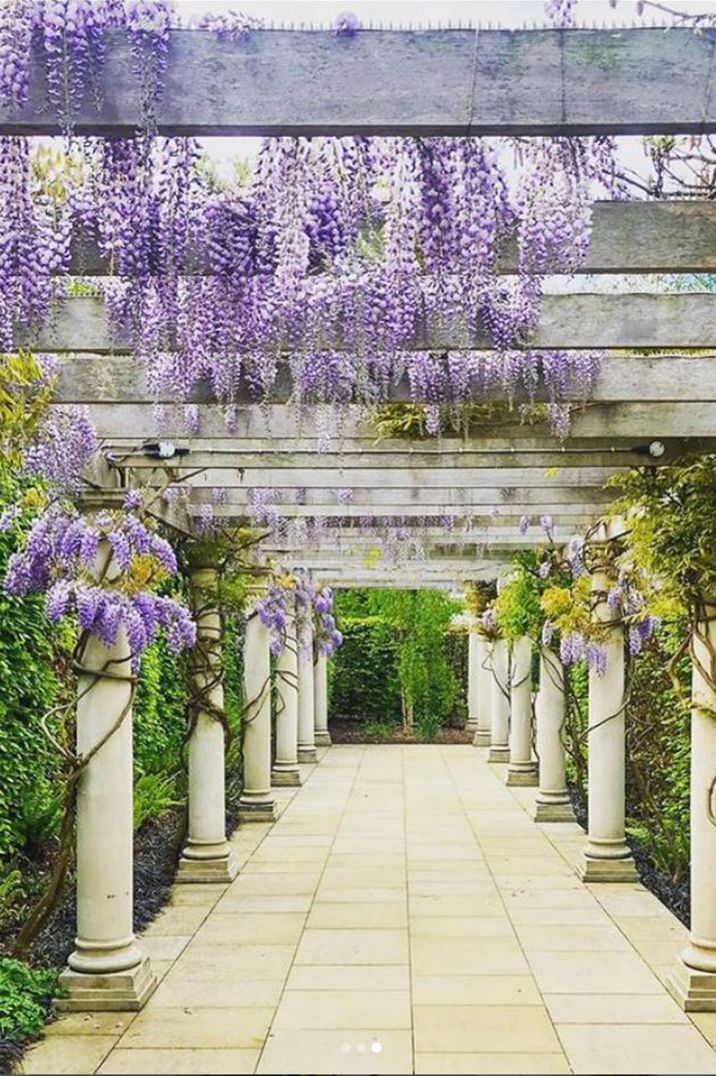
(425, 501)
(622, 378)
(441, 478)
(577, 320)
(604, 423)
(469, 544)
(348, 462)
(627, 237)
(453, 82)
(577, 515)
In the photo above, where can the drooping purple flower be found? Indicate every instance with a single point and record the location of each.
(346, 24)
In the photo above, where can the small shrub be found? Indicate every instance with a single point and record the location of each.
(155, 794)
(379, 730)
(38, 818)
(25, 997)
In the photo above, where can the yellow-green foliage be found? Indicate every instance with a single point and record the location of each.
(517, 606)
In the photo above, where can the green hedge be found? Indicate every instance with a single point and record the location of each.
(364, 672)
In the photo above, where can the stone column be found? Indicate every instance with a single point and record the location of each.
(306, 721)
(500, 702)
(207, 856)
(484, 693)
(606, 856)
(521, 769)
(552, 803)
(320, 701)
(285, 768)
(693, 981)
(107, 970)
(257, 802)
(473, 681)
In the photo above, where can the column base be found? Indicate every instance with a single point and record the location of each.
(323, 739)
(257, 811)
(498, 754)
(481, 738)
(591, 869)
(693, 990)
(522, 778)
(118, 991)
(307, 754)
(553, 812)
(471, 727)
(215, 869)
(286, 778)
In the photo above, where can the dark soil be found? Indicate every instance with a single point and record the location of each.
(350, 730)
(675, 895)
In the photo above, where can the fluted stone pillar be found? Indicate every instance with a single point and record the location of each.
(107, 969)
(257, 802)
(500, 702)
(693, 981)
(285, 768)
(483, 692)
(320, 701)
(606, 856)
(306, 721)
(207, 856)
(521, 769)
(552, 803)
(473, 682)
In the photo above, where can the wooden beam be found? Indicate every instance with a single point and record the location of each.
(389, 478)
(627, 237)
(450, 82)
(350, 464)
(577, 515)
(426, 501)
(91, 379)
(605, 423)
(572, 321)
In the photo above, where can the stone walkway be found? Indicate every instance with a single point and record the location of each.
(403, 915)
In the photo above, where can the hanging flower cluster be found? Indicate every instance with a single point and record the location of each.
(101, 571)
(343, 260)
(313, 606)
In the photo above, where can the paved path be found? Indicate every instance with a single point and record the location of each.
(403, 915)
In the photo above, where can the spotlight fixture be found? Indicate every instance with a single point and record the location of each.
(163, 450)
(655, 449)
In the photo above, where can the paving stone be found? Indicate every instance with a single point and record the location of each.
(467, 956)
(489, 1028)
(67, 1054)
(640, 1049)
(357, 977)
(353, 947)
(273, 928)
(593, 973)
(324, 1009)
(369, 915)
(191, 1062)
(613, 1009)
(353, 1051)
(90, 1023)
(198, 1027)
(466, 1064)
(569, 938)
(475, 990)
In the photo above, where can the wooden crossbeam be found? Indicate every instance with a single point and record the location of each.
(623, 378)
(425, 501)
(389, 478)
(454, 82)
(576, 515)
(627, 237)
(573, 321)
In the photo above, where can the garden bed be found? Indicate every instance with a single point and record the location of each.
(355, 730)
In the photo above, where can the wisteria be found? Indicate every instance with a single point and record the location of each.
(98, 571)
(312, 606)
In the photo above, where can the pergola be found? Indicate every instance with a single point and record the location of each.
(452, 82)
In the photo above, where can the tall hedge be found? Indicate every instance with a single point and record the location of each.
(364, 676)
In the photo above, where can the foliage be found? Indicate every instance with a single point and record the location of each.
(394, 665)
(160, 712)
(518, 608)
(155, 794)
(671, 516)
(25, 997)
(364, 670)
